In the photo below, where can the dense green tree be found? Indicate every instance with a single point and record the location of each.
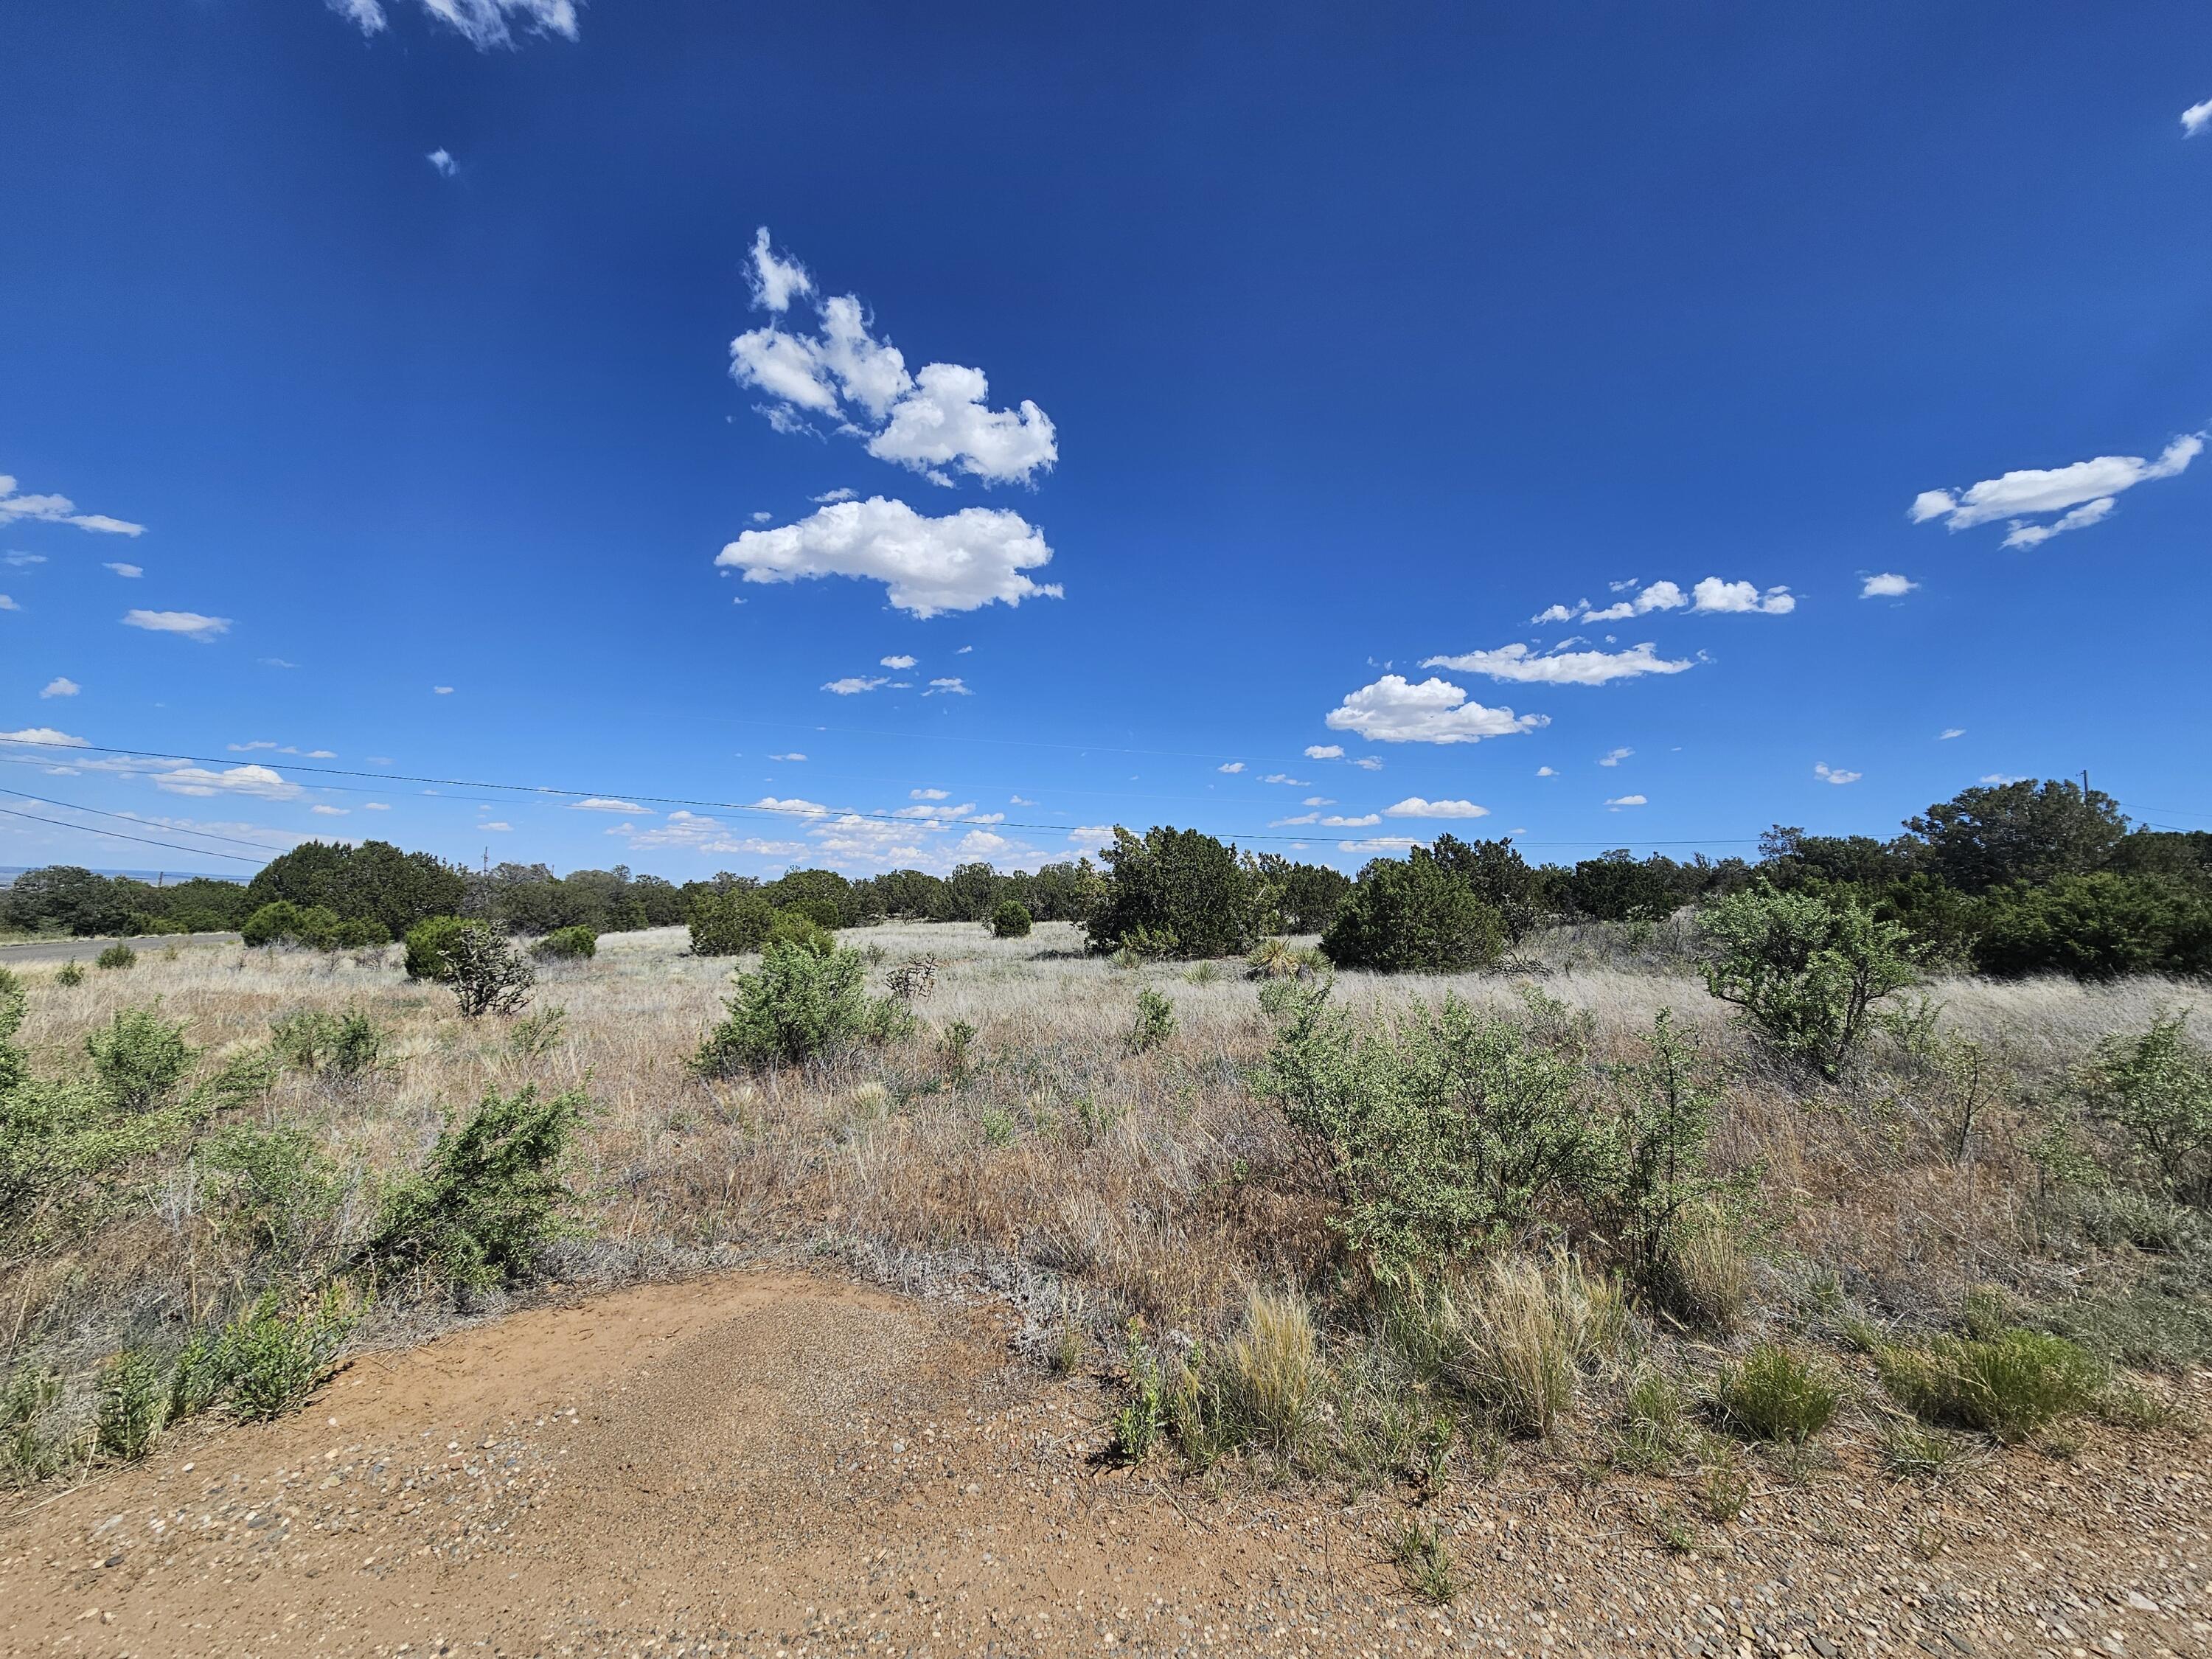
(1986, 837)
(1496, 873)
(1616, 886)
(730, 922)
(1305, 896)
(374, 881)
(1414, 915)
(1806, 971)
(1176, 892)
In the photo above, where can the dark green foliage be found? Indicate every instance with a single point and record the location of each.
(1495, 873)
(1438, 1131)
(138, 1058)
(1010, 921)
(317, 928)
(428, 942)
(908, 895)
(832, 901)
(374, 881)
(489, 1200)
(1776, 1394)
(822, 912)
(270, 1361)
(529, 898)
(488, 974)
(798, 1004)
(1984, 837)
(1414, 915)
(1177, 893)
(116, 956)
(1806, 972)
(1305, 897)
(68, 899)
(70, 974)
(795, 926)
(2097, 927)
(1615, 887)
(577, 944)
(730, 923)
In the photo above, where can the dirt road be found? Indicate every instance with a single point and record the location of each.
(784, 1465)
(84, 950)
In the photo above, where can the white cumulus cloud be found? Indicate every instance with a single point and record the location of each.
(56, 509)
(251, 779)
(42, 737)
(1324, 752)
(1828, 774)
(853, 685)
(2195, 119)
(2084, 491)
(1517, 662)
(1620, 801)
(190, 624)
(929, 795)
(1887, 585)
(963, 561)
(1414, 806)
(1712, 594)
(60, 686)
(937, 420)
(899, 662)
(1394, 710)
(443, 162)
(1231, 766)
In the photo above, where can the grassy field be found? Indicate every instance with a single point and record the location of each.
(1036, 1158)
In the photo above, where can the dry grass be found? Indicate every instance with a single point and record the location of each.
(1154, 1180)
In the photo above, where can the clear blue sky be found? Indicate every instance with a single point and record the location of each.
(1313, 344)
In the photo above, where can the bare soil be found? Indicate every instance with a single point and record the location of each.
(777, 1464)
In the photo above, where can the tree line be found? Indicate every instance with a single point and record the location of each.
(2008, 879)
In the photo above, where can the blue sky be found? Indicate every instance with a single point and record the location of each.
(1187, 397)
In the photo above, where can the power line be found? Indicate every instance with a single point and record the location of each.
(125, 817)
(914, 821)
(174, 847)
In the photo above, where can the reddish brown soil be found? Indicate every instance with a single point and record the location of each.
(778, 1464)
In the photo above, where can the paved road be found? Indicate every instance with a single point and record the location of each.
(84, 950)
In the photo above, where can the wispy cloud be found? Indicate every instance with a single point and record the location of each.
(483, 23)
(2083, 492)
(58, 509)
(952, 685)
(1414, 807)
(1711, 595)
(852, 684)
(441, 160)
(1949, 733)
(60, 686)
(190, 624)
(131, 571)
(1231, 766)
(2195, 119)
(1517, 662)
(604, 803)
(1828, 774)
(1615, 756)
(1620, 801)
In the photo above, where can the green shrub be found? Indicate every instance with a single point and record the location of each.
(1670, 1216)
(488, 974)
(821, 911)
(2156, 1089)
(1414, 915)
(134, 1405)
(1155, 1022)
(489, 1199)
(2014, 1384)
(730, 924)
(359, 934)
(2097, 927)
(1778, 1395)
(796, 1006)
(428, 942)
(70, 974)
(272, 924)
(316, 926)
(533, 1037)
(1652, 1425)
(138, 1058)
(1439, 1130)
(1805, 971)
(348, 1045)
(272, 1362)
(1010, 921)
(1177, 893)
(116, 956)
(275, 1187)
(569, 944)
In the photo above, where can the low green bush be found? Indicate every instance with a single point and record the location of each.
(134, 1405)
(116, 956)
(1775, 1394)
(1155, 1022)
(69, 974)
(1438, 1130)
(2155, 1090)
(138, 1058)
(270, 1362)
(428, 942)
(569, 944)
(488, 974)
(489, 1201)
(1010, 921)
(346, 1045)
(798, 1004)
